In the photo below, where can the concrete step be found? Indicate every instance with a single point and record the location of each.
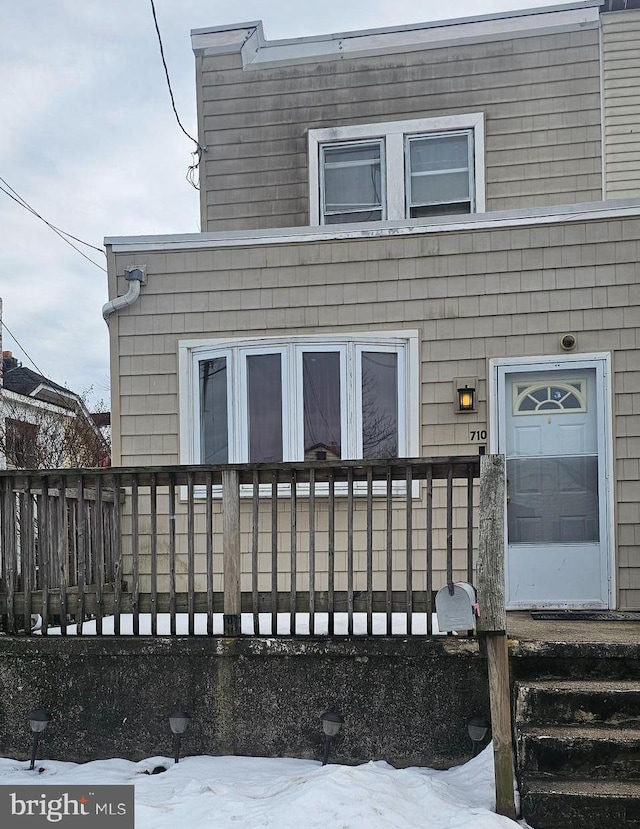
(571, 751)
(532, 660)
(581, 804)
(557, 701)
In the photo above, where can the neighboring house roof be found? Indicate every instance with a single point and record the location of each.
(21, 380)
(33, 386)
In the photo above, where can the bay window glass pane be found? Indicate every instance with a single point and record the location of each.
(214, 440)
(352, 183)
(321, 393)
(264, 406)
(379, 404)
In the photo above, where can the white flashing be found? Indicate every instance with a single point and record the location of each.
(256, 52)
(223, 40)
(592, 211)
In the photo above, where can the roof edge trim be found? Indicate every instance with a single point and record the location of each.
(256, 52)
(591, 211)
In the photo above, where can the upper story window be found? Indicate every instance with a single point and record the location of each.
(397, 170)
(323, 397)
(351, 182)
(439, 174)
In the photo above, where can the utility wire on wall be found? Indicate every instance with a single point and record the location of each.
(66, 237)
(197, 155)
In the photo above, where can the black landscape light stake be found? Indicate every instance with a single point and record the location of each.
(178, 722)
(38, 721)
(331, 724)
(477, 728)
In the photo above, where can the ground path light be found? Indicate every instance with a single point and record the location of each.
(477, 728)
(331, 724)
(38, 721)
(178, 722)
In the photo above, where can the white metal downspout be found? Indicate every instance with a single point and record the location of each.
(135, 277)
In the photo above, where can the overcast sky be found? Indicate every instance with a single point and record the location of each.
(88, 138)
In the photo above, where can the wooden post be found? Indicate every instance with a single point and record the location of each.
(231, 551)
(493, 624)
(9, 559)
(135, 555)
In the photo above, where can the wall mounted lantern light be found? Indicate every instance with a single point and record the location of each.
(466, 399)
(331, 724)
(38, 721)
(178, 722)
(465, 394)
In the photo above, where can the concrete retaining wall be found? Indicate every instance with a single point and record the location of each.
(404, 700)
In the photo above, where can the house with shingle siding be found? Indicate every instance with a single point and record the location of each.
(416, 241)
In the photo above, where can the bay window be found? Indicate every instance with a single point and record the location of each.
(304, 398)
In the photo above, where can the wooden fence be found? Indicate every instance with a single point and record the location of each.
(320, 548)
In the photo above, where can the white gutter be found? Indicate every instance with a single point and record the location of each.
(135, 277)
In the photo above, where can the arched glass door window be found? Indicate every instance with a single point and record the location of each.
(556, 397)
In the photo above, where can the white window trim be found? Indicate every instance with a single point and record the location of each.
(393, 133)
(190, 352)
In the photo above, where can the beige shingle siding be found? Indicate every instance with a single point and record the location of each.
(472, 295)
(540, 96)
(621, 85)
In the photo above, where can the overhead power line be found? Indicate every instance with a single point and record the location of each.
(66, 237)
(31, 360)
(191, 172)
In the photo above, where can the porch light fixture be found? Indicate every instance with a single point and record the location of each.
(466, 399)
(178, 722)
(38, 721)
(331, 725)
(477, 728)
(465, 394)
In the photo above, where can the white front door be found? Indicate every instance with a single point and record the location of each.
(552, 426)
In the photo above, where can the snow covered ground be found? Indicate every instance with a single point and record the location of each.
(253, 793)
(282, 793)
(398, 620)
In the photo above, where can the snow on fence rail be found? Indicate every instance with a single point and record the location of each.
(351, 540)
